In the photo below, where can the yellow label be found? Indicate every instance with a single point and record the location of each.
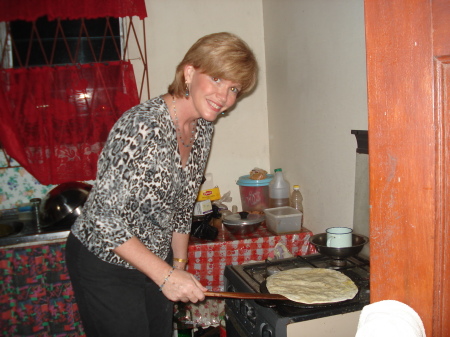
(211, 194)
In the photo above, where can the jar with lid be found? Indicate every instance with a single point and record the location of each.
(254, 193)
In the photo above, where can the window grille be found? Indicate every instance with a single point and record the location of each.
(64, 81)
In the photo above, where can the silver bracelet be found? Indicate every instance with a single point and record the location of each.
(165, 280)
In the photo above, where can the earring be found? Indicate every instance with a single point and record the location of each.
(186, 91)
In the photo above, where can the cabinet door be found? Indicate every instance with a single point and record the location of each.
(36, 296)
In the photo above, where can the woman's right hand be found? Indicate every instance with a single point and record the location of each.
(183, 286)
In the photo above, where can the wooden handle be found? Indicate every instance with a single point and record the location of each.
(246, 296)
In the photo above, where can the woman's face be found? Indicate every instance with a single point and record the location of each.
(210, 95)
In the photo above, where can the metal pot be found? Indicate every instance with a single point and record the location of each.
(242, 222)
(320, 242)
(63, 204)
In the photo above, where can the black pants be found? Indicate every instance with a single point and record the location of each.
(115, 301)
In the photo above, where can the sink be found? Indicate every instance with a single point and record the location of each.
(10, 228)
(13, 232)
(21, 229)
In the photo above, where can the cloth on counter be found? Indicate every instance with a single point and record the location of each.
(280, 251)
(210, 312)
(389, 318)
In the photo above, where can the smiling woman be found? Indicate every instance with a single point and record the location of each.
(134, 230)
(221, 56)
(217, 95)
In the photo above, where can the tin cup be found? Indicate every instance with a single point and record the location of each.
(339, 237)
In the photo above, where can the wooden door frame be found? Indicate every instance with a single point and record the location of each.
(442, 285)
(408, 76)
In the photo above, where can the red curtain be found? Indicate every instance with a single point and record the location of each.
(54, 120)
(30, 10)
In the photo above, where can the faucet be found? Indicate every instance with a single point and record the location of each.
(36, 203)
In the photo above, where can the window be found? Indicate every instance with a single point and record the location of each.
(64, 80)
(60, 42)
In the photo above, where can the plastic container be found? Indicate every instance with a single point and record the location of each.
(297, 198)
(279, 190)
(254, 193)
(283, 220)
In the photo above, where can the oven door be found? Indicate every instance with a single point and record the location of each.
(233, 327)
(337, 326)
(342, 325)
(240, 324)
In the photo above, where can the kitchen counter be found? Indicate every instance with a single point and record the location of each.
(207, 261)
(37, 296)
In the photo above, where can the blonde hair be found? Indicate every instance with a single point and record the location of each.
(222, 55)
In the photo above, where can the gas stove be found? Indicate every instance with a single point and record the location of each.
(270, 318)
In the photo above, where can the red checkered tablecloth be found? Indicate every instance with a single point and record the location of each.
(207, 259)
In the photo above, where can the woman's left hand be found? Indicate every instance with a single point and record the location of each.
(177, 284)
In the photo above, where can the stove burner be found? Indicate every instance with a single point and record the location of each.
(271, 270)
(337, 262)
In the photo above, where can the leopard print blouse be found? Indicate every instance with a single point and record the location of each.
(141, 187)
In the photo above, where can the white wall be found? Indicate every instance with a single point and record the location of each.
(313, 94)
(316, 92)
(240, 141)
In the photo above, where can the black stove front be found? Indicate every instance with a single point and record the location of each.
(270, 318)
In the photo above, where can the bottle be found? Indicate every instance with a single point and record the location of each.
(297, 198)
(278, 190)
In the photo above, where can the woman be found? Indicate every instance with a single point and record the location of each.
(127, 252)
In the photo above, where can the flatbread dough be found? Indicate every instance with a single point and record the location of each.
(312, 285)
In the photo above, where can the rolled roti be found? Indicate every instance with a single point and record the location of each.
(312, 285)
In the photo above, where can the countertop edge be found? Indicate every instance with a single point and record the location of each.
(32, 240)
